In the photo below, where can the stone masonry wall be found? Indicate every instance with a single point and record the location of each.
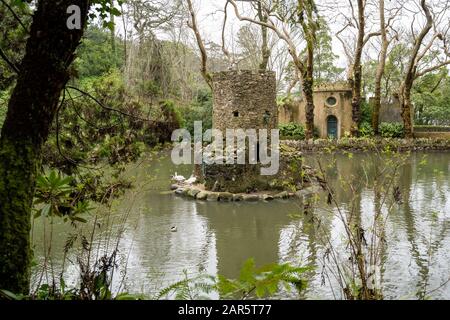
(244, 100)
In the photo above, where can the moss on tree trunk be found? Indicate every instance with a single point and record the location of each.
(31, 109)
(309, 108)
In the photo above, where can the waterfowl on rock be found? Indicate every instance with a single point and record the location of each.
(191, 180)
(178, 178)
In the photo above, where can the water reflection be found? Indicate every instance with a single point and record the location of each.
(217, 238)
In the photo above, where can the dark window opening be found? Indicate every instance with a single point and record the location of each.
(266, 117)
(236, 114)
(258, 159)
(331, 101)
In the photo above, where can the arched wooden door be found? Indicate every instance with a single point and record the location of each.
(332, 127)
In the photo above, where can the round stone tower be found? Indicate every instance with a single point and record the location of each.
(244, 99)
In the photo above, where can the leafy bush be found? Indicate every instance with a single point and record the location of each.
(253, 282)
(366, 112)
(199, 110)
(366, 130)
(392, 130)
(115, 131)
(292, 131)
(172, 112)
(55, 196)
(95, 56)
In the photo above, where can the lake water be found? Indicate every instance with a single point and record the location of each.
(216, 238)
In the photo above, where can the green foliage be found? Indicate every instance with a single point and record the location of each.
(55, 196)
(366, 130)
(4, 98)
(199, 110)
(103, 9)
(13, 38)
(262, 282)
(325, 69)
(95, 55)
(197, 288)
(294, 131)
(7, 295)
(366, 112)
(431, 98)
(392, 130)
(116, 131)
(393, 73)
(253, 282)
(172, 112)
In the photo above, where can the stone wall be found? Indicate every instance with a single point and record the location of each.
(244, 100)
(432, 135)
(389, 111)
(248, 179)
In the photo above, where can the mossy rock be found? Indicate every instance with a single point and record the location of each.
(180, 191)
(225, 196)
(213, 197)
(193, 193)
(282, 195)
(251, 197)
(267, 197)
(202, 195)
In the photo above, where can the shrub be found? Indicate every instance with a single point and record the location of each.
(115, 132)
(366, 112)
(366, 130)
(199, 110)
(392, 130)
(292, 131)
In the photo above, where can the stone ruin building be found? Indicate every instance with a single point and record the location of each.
(246, 99)
(333, 110)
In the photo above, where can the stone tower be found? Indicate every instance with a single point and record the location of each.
(241, 100)
(244, 100)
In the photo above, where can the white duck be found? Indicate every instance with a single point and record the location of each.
(191, 180)
(178, 178)
(174, 229)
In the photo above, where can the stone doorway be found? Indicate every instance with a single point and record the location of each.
(332, 127)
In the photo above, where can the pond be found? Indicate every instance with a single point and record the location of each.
(216, 238)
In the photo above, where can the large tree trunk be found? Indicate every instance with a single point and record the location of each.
(380, 71)
(356, 101)
(406, 108)
(31, 109)
(376, 111)
(265, 51)
(308, 91)
(309, 27)
(357, 72)
(411, 73)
